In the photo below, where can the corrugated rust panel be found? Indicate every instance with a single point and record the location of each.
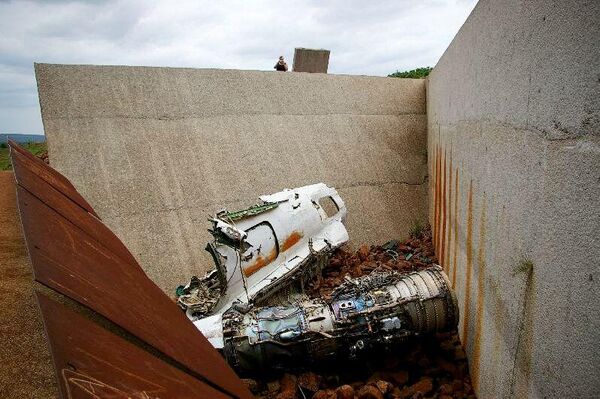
(70, 210)
(92, 362)
(50, 176)
(74, 254)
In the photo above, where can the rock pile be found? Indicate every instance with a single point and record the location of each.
(431, 367)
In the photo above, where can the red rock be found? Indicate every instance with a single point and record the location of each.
(424, 386)
(344, 392)
(446, 389)
(457, 385)
(384, 386)
(403, 393)
(288, 382)
(251, 384)
(309, 381)
(363, 252)
(325, 394)
(369, 392)
(273, 386)
(289, 387)
(399, 377)
(287, 395)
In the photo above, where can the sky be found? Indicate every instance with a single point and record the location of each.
(365, 38)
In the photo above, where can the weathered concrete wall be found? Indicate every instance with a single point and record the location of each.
(156, 150)
(26, 369)
(311, 60)
(514, 159)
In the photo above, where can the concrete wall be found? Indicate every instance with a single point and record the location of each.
(514, 158)
(311, 60)
(156, 150)
(26, 369)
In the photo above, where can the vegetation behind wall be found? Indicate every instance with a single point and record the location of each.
(419, 73)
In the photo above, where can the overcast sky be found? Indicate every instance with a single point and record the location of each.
(365, 38)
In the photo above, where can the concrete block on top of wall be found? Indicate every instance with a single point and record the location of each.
(311, 60)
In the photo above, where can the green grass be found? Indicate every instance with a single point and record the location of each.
(416, 230)
(34, 148)
(525, 266)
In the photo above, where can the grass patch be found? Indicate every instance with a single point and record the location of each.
(524, 267)
(416, 230)
(35, 148)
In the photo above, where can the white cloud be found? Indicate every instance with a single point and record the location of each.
(368, 38)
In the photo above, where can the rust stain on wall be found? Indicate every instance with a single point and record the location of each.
(480, 295)
(260, 262)
(291, 240)
(456, 218)
(442, 237)
(433, 192)
(448, 237)
(436, 198)
(469, 255)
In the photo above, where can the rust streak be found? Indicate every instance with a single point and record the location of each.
(260, 262)
(480, 295)
(438, 181)
(435, 196)
(456, 199)
(450, 221)
(291, 240)
(469, 255)
(442, 237)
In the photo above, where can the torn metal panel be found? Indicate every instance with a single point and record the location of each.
(48, 174)
(261, 250)
(74, 254)
(92, 362)
(363, 314)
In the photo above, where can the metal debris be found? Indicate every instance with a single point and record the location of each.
(372, 312)
(264, 249)
(244, 307)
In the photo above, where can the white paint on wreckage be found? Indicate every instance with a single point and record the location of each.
(279, 242)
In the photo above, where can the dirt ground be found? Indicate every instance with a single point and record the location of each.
(25, 363)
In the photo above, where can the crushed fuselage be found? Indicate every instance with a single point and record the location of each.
(263, 249)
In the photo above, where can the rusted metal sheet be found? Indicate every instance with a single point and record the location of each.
(70, 210)
(73, 253)
(49, 175)
(92, 362)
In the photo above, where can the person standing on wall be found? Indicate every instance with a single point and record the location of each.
(281, 65)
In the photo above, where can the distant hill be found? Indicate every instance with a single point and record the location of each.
(22, 138)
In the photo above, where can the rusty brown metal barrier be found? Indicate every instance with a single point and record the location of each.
(74, 254)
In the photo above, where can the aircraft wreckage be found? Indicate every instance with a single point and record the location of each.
(265, 254)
